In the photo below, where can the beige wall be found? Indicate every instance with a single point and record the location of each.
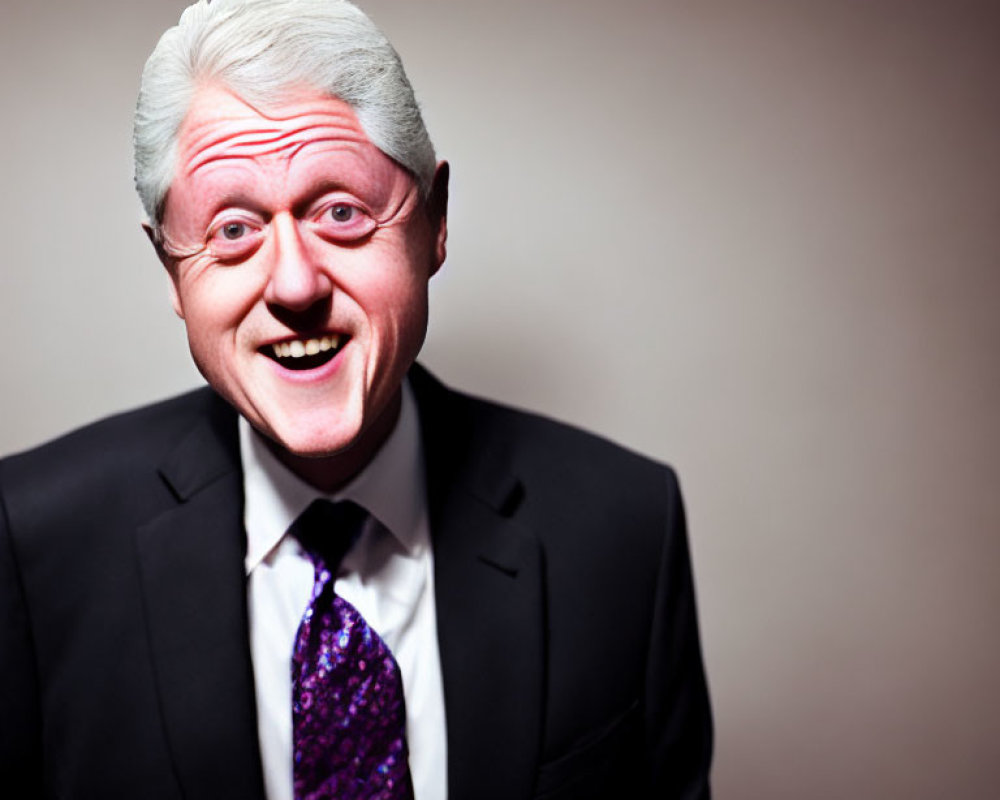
(758, 240)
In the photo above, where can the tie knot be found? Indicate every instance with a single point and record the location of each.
(327, 530)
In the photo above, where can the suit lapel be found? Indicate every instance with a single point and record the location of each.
(191, 567)
(490, 604)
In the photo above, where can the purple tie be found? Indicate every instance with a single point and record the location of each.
(348, 715)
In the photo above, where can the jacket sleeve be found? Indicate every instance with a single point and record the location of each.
(20, 727)
(678, 716)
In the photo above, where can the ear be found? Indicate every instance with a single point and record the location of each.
(437, 207)
(169, 264)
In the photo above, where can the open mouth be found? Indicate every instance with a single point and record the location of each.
(303, 354)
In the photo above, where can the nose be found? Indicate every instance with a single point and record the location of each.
(297, 280)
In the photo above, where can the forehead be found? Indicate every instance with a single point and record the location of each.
(288, 152)
(220, 126)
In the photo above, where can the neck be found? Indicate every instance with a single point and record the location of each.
(330, 473)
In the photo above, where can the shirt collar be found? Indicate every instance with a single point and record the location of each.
(390, 487)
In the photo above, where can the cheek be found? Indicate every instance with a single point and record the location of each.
(398, 304)
(386, 284)
(217, 298)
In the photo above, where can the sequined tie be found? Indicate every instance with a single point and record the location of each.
(348, 715)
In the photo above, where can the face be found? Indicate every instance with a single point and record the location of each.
(299, 256)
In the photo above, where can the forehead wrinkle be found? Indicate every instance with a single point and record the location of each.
(267, 141)
(353, 146)
(343, 120)
(220, 125)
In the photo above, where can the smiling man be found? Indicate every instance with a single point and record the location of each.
(325, 574)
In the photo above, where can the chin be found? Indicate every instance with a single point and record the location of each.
(326, 442)
(349, 427)
(311, 424)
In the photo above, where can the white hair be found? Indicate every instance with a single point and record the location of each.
(261, 49)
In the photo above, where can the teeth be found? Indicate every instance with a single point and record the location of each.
(305, 347)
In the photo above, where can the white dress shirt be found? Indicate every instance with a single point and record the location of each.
(388, 576)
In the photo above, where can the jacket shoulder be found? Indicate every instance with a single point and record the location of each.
(543, 437)
(139, 431)
(89, 465)
(471, 439)
(579, 475)
(531, 438)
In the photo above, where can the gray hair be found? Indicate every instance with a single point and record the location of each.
(260, 49)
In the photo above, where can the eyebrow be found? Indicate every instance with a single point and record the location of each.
(211, 202)
(237, 196)
(320, 186)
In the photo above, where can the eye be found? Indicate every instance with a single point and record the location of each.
(233, 230)
(234, 238)
(341, 212)
(343, 223)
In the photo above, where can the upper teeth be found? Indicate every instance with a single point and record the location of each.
(305, 347)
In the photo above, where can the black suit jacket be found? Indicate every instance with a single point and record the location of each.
(566, 618)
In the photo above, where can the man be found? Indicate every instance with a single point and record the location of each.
(509, 613)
